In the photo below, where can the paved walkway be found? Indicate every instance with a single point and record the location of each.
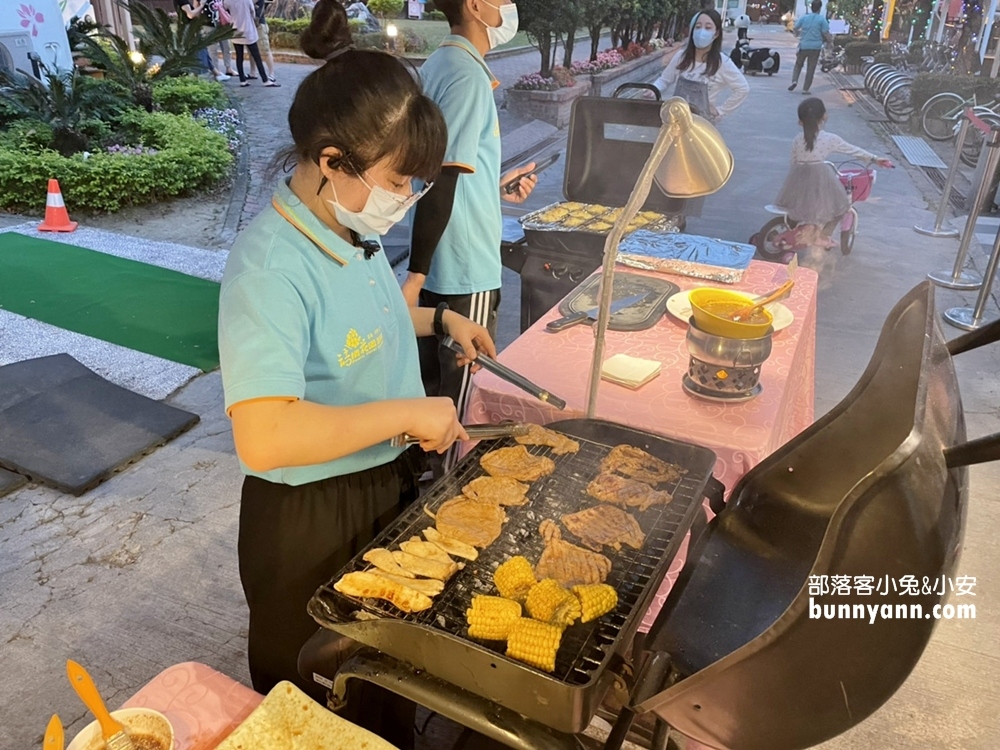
(141, 573)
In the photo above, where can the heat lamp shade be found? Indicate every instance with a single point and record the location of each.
(697, 161)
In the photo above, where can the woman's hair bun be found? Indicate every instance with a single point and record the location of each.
(328, 32)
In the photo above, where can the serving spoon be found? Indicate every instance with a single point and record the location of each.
(744, 314)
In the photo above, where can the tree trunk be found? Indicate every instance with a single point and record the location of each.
(545, 48)
(616, 37)
(595, 41)
(922, 17)
(568, 48)
(875, 26)
(555, 51)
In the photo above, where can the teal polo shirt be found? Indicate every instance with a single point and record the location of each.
(326, 326)
(467, 259)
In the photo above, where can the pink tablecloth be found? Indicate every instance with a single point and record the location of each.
(740, 434)
(204, 706)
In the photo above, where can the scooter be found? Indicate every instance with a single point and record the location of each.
(752, 59)
(831, 58)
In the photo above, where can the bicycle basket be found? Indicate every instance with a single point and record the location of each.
(858, 181)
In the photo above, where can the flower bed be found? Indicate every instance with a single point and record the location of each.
(549, 106)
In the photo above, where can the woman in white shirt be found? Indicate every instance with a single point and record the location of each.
(711, 83)
(812, 194)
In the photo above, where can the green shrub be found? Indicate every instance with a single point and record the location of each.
(854, 51)
(183, 95)
(284, 40)
(844, 39)
(187, 157)
(407, 41)
(926, 85)
(386, 8)
(435, 15)
(28, 134)
(296, 26)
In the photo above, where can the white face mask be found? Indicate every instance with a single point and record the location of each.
(703, 38)
(508, 25)
(381, 211)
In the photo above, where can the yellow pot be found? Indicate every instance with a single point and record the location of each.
(710, 322)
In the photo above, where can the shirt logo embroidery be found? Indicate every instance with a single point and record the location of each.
(357, 348)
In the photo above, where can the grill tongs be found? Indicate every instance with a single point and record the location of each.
(475, 432)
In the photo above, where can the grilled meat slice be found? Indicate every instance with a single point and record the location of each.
(426, 586)
(426, 567)
(567, 563)
(500, 490)
(636, 463)
(604, 525)
(515, 462)
(449, 545)
(383, 560)
(611, 488)
(372, 586)
(470, 521)
(559, 443)
(420, 548)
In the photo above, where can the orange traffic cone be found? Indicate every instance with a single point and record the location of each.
(56, 215)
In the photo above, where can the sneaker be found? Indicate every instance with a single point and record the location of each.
(272, 84)
(792, 87)
(222, 77)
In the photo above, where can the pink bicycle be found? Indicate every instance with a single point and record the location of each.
(780, 237)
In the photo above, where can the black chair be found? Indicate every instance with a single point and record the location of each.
(738, 659)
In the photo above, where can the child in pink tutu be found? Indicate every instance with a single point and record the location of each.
(812, 194)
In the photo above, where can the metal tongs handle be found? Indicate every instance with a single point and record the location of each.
(490, 364)
(475, 432)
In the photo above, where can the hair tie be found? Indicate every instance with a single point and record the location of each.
(337, 53)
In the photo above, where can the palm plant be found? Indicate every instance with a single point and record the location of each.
(176, 49)
(67, 102)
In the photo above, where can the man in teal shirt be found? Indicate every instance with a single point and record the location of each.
(812, 30)
(457, 226)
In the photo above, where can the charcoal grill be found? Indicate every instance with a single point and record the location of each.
(608, 143)
(435, 641)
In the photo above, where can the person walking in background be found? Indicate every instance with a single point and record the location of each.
(244, 18)
(457, 228)
(188, 10)
(264, 38)
(812, 30)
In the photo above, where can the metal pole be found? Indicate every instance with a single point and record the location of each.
(949, 183)
(970, 319)
(959, 278)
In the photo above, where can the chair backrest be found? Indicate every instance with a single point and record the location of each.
(864, 492)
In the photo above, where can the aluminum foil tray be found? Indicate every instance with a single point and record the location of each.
(591, 218)
(686, 255)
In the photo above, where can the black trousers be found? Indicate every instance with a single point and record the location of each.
(810, 56)
(255, 54)
(292, 540)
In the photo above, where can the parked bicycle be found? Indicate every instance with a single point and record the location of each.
(941, 118)
(890, 83)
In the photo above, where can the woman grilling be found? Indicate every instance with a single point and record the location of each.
(711, 83)
(319, 352)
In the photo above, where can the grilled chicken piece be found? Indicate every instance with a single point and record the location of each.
(515, 462)
(425, 567)
(567, 563)
(427, 586)
(636, 463)
(373, 586)
(470, 521)
(500, 490)
(559, 443)
(449, 545)
(420, 548)
(611, 488)
(383, 560)
(604, 525)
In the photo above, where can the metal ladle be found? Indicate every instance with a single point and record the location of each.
(744, 314)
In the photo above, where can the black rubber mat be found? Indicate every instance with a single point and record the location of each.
(9, 481)
(65, 426)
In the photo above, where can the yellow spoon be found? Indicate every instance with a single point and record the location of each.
(54, 739)
(115, 737)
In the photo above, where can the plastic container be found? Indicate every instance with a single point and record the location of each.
(137, 721)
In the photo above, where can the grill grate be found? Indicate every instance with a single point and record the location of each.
(585, 648)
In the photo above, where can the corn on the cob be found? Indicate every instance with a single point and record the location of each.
(514, 578)
(491, 617)
(534, 643)
(596, 599)
(549, 602)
